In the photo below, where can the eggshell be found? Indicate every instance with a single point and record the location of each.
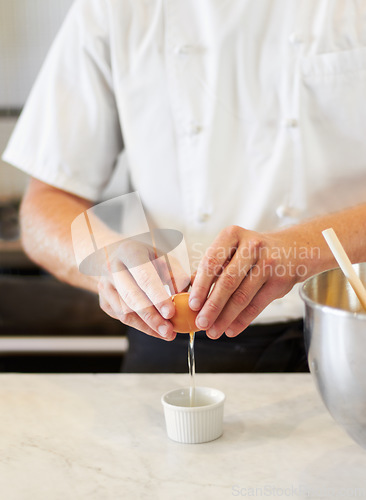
(184, 318)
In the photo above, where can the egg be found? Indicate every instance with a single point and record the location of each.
(184, 318)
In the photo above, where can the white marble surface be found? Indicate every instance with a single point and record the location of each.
(103, 437)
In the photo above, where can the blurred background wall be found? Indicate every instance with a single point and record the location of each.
(27, 28)
(45, 325)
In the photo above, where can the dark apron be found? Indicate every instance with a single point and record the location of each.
(260, 348)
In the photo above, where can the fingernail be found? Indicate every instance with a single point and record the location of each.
(194, 304)
(213, 332)
(229, 332)
(163, 330)
(165, 311)
(203, 322)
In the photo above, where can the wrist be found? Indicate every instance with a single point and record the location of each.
(306, 249)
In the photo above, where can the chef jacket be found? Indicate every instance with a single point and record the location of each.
(240, 112)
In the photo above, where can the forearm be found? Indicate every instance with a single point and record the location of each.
(46, 217)
(252, 269)
(309, 246)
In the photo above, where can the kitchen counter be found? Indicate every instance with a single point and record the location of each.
(103, 437)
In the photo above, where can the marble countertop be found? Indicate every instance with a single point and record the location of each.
(103, 437)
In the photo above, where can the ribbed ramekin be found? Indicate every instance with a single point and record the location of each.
(199, 423)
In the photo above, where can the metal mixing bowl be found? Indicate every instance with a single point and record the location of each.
(335, 338)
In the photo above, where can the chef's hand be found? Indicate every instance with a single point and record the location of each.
(249, 270)
(132, 290)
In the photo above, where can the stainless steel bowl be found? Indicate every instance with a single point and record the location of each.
(335, 338)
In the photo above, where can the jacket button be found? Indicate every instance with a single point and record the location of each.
(291, 123)
(183, 50)
(203, 217)
(194, 130)
(287, 212)
(295, 39)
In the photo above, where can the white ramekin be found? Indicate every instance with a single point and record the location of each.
(194, 424)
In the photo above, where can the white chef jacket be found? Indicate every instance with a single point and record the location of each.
(231, 111)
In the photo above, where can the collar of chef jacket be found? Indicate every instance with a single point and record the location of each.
(232, 112)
